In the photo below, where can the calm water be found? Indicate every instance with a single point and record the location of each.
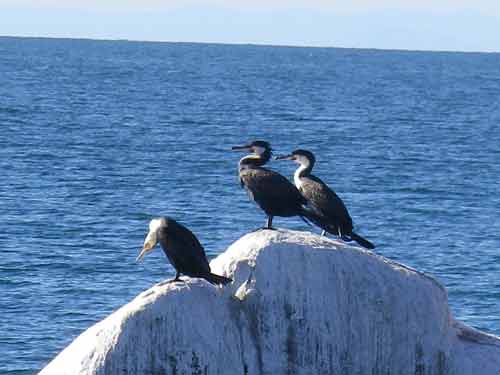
(98, 137)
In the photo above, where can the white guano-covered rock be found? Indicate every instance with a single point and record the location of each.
(299, 304)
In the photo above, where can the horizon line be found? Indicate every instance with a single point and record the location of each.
(254, 44)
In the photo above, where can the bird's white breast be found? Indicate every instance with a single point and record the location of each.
(296, 177)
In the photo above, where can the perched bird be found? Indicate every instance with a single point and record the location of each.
(182, 249)
(274, 194)
(322, 200)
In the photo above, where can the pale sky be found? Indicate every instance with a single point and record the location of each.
(423, 25)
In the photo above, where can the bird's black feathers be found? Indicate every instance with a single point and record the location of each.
(326, 203)
(274, 194)
(330, 211)
(362, 241)
(185, 252)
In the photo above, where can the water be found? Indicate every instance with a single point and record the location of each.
(99, 137)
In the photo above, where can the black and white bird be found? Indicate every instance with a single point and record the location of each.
(182, 249)
(322, 200)
(274, 194)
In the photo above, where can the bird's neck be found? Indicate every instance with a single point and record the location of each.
(302, 171)
(162, 239)
(255, 160)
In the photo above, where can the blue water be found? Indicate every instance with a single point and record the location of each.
(99, 137)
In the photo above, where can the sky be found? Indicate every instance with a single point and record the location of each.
(389, 24)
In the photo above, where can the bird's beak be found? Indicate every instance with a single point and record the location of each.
(283, 157)
(238, 148)
(143, 252)
(149, 244)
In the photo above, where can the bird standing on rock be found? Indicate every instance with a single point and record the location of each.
(182, 249)
(274, 194)
(323, 200)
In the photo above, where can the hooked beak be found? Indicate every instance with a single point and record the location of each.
(284, 157)
(238, 148)
(149, 244)
(146, 249)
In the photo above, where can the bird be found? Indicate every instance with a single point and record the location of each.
(182, 249)
(322, 200)
(272, 192)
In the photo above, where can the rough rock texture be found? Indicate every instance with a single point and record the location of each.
(299, 304)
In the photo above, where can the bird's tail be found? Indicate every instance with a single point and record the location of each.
(217, 279)
(362, 241)
(327, 226)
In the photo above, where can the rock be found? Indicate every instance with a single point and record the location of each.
(299, 304)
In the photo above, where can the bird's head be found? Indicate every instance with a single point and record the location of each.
(256, 147)
(302, 157)
(151, 240)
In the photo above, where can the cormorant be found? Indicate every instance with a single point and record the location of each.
(274, 194)
(182, 249)
(323, 200)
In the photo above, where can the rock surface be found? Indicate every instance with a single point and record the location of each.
(299, 304)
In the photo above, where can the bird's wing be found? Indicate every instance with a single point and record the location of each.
(325, 201)
(189, 252)
(262, 182)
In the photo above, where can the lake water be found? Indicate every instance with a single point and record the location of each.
(98, 137)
